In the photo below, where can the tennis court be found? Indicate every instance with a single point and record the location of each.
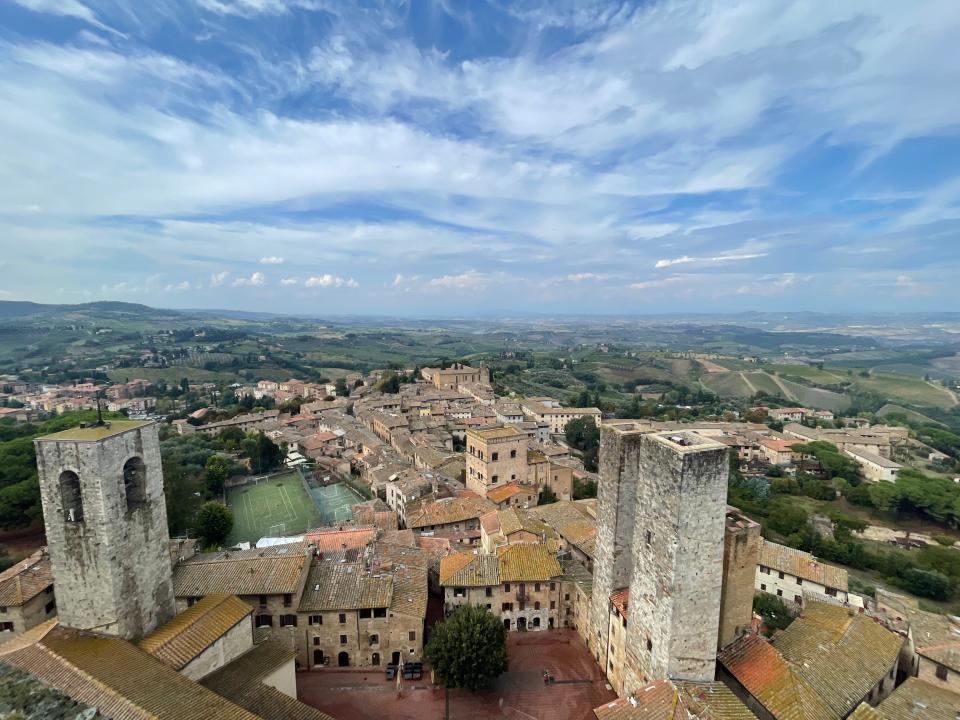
(271, 507)
(335, 502)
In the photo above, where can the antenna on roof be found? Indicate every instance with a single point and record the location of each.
(100, 422)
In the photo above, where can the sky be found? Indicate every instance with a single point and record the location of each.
(450, 158)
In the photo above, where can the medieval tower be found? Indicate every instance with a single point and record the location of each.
(106, 523)
(661, 521)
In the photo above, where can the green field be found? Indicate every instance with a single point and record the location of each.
(277, 506)
(907, 390)
(746, 384)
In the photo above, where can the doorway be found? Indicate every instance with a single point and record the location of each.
(395, 658)
(521, 623)
(318, 657)
(343, 659)
(375, 659)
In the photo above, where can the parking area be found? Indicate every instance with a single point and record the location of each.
(520, 693)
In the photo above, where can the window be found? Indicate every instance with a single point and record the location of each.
(343, 639)
(287, 600)
(316, 620)
(798, 599)
(536, 587)
(135, 482)
(495, 456)
(779, 593)
(6, 627)
(780, 575)
(566, 595)
(536, 605)
(649, 537)
(316, 641)
(513, 454)
(50, 606)
(457, 592)
(379, 612)
(288, 621)
(264, 621)
(553, 586)
(764, 570)
(343, 618)
(941, 669)
(506, 607)
(263, 600)
(832, 592)
(494, 478)
(70, 496)
(489, 606)
(763, 586)
(412, 636)
(649, 645)
(506, 587)
(553, 604)
(523, 606)
(366, 614)
(190, 602)
(489, 592)
(374, 639)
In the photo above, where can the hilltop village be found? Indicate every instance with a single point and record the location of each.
(400, 496)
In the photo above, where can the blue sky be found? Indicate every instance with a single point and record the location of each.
(439, 158)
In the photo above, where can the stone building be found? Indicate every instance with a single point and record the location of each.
(795, 576)
(106, 523)
(741, 554)
(270, 579)
(660, 527)
(365, 613)
(495, 456)
(520, 584)
(26, 595)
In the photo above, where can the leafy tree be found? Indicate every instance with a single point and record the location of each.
(583, 489)
(216, 471)
(547, 496)
(786, 518)
(264, 455)
(772, 609)
(468, 649)
(389, 383)
(214, 523)
(341, 387)
(926, 583)
(583, 434)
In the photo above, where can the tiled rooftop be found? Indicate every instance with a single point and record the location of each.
(802, 565)
(258, 571)
(25, 580)
(345, 586)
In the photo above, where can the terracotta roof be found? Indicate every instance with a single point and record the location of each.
(345, 586)
(621, 601)
(769, 678)
(572, 521)
(274, 570)
(25, 580)
(446, 511)
(495, 433)
(468, 569)
(946, 654)
(503, 492)
(527, 562)
(919, 700)
(666, 700)
(399, 537)
(802, 564)
(117, 678)
(196, 629)
(410, 591)
(842, 655)
(334, 540)
(241, 681)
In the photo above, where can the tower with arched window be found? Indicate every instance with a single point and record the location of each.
(106, 525)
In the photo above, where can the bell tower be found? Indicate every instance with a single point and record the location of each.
(106, 522)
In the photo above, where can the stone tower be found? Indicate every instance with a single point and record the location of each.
(106, 525)
(616, 521)
(741, 555)
(677, 569)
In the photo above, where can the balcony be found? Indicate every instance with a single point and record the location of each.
(522, 595)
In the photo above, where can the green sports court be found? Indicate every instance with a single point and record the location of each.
(271, 507)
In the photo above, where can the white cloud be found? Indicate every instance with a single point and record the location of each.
(255, 280)
(273, 260)
(66, 8)
(685, 259)
(330, 281)
(185, 285)
(469, 280)
(218, 279)
(286, 282)
(586, 277)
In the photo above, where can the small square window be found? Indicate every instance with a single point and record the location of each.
(941, 672)
(343, 639)
(412, 636)
(343, 618)
(316, 641)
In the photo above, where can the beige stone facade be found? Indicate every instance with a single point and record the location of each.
(495, 456)
(741, 554)
(26, 595)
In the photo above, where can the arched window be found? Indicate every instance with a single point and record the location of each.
(70, 496)
(135, 482)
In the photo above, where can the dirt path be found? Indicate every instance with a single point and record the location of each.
(786, 393)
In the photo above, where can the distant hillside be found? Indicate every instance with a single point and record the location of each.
(14, 309)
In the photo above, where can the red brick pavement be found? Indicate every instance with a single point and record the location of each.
(520, 694)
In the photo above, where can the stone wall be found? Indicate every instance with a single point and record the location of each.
(112, 569)
(30, 614)
(741, 553)
(616, 509)
(677, 559)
